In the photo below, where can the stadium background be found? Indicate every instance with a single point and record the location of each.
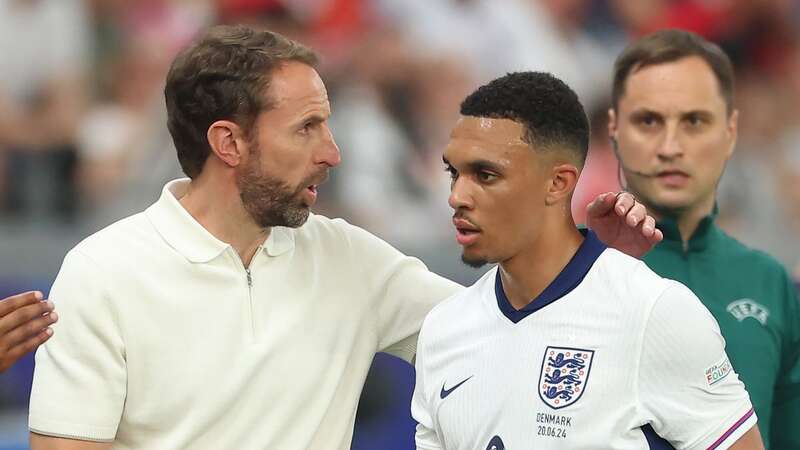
(83, 140)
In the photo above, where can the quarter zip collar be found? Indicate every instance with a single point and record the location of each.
(187, 236)
(706, 231)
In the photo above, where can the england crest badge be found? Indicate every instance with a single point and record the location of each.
(564, 374)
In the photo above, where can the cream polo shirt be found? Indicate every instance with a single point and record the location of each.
(166, 341)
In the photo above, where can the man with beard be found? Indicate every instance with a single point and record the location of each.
(674, 125)
(226, 315)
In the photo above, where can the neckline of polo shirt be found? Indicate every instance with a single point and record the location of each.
(186, 235)
(181, 231)
(279, 241)
(568, 279)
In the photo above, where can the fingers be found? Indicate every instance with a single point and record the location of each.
(648, 226)
(636, 215)
(15, 302)
(634, 212)
(650, 232)
(24, 325)
(601, 205)
(657, 237)
(29, 329)
(24, 314)
(23, 348)
(625, 201)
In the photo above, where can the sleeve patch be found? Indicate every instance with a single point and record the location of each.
(718, 371)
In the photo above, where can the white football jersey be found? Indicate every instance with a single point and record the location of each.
(609, 356)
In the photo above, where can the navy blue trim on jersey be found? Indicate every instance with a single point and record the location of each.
(654, 441)
(564, 283)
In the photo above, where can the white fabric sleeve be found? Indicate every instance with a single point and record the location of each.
(80, 377)
(687, 389)
(400, 289)
(422, 408)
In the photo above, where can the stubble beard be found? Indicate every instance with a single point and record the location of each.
(474, 262)
(269, 201)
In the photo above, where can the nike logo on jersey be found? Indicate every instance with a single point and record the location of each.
(446, 392)
(496, 444)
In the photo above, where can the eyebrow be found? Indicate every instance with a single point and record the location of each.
(699, 112)
(313, 117)
(649, 112)
(479, 164)
(645, 112)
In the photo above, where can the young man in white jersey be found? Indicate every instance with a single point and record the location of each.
(566, 344)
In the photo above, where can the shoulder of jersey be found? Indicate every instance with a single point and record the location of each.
(462, 302)
(629, 276)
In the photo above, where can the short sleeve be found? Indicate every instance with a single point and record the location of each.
(80, 377)
(422, 409)
(401, 290)
(688, 390)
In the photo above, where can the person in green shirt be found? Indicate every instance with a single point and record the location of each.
(673, 126)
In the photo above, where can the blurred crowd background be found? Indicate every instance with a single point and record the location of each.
(83, 140)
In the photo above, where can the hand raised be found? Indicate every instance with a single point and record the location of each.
(623, 223)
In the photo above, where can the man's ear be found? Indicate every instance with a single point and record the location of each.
(227, 142)
(733, 131)
(563, 179)
(612, 124)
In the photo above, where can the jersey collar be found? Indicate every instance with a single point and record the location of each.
(569, 278)
(706, 230)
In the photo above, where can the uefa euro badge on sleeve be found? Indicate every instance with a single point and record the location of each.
(564, 374)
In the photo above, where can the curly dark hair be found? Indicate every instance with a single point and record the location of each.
(223, 75)
(553, 116)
